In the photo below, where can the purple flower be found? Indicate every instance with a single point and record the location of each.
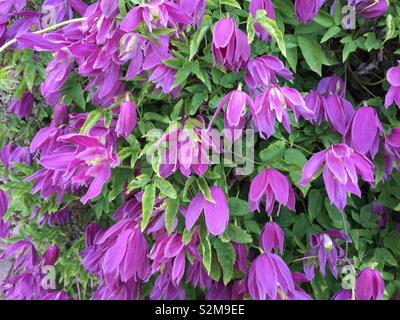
(393, 95)
(333, 85)
(392, 148)
(363, 132)
(4, 226)
(131, 48)
(230, 46)
(268, 6)
(339, 112)
(23, 108)
(156, 14)
(340, 173)
(369, 285)
(11, 153)
(235, 113)
(269, 278)
(60, 116)
(262, 71)
(271, 106)
(55, 11)
(127, 119)
(51, 255)
(216, 213)
(195, 9)
(272, 238)
(307, 10)
(381, 212)
(370, 9)
(343, 294)
(275, 187)
(325, 247)
(316, 103)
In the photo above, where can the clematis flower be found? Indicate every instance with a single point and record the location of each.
(393, 95)
(60, 114)
(343, 295)
(324, 245)
(307, 10)
(271, 106)
(363, 132)
(269, 278)
(55, 11)
(262, 71)
(299, 294)
(332, 85)
(51, 255)
(316, 103)
(230, 46)
(216, 213)
(23, 108)
(272, 238)
(392, 148)
(235, 112)
(381, 212)
(195, 9)
(59, 218)
(340, 173)
(131, 49)
(4, 225)
(127, 119)
(156, 14)
(268, 6)
(369, 285)
(275, 186)
(370, 9)
(11, 153)
(339, 113)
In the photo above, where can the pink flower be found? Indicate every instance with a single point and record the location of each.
(369, 285)
(393, 95)
(127, 119)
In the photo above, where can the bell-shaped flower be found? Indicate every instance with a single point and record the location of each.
(131, 49)
(324, 246)
(382, 214)
(370, 9)
(22, 108)
(51, 255)
(268, 6)
(235, 113)
(393, 95)
(60, 115)
(275, 187)
(363, 132)
(230, 46)
(343, 294)
(332, 85)
(338, 112)
(216, 213)
(269, 278)
(369, 285)
(195, 9)
(271, 106)
(307, 10)
(272, 238)
(127, 119)
(342, 166)
(316, 103)
(262, 71)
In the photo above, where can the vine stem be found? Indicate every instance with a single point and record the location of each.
(53, 27)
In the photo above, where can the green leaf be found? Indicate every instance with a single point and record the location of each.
(91, 120)
(296, 157)
(226, 257)
(205, 189)
(148, 198)
(332, 31)
(199, 36)
(230, 3)
(166, 188)
(349, 46)
(250, 28)
(122, 8)
(315, 202)
(383, 255)
(206, 253)
(170, 212)
(274, 151)
(271, 27)
(238, 207)
(237, 234)
(312, 52)
(390, 28)
(30, 75)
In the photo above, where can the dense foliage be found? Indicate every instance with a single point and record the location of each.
(193, 149)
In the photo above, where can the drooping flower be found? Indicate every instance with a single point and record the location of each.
(339, 113)
(307, 10)
(369, 285)
(271, 106)
(186, 149)
(269, 278)
(156, 14)
(263, 71)
(340, 173)
(230, 46)
(51, 255)
(363, 132)
(195, 9)
(324, 245)
(131, 48)
(392, 148)
(343, 295)
(275, 187)
(216, 213)
(381, 212)
(22, 108)
(4, 226)
(393, 95)
(127, 119)
(332, 85)
(370, 9)
(299, 293)
(268, 6)
(272, 238)
(60, 116)
(316, 103)
(235, 113)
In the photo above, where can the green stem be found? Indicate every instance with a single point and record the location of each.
(53, 27)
